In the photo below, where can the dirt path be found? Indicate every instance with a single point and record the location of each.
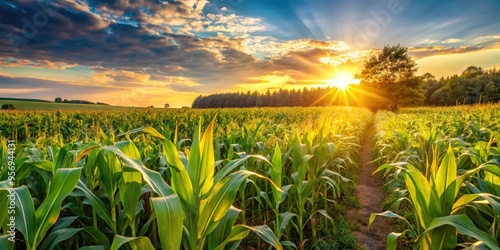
(370, 193)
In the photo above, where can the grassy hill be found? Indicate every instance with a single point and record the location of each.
(35, 104)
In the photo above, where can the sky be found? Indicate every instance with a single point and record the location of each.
(152, 52)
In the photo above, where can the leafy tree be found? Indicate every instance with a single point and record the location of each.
(58, 99)
(472, 72)
(430, 85)
(8, 106)
(390, 74)
(491, 93)
(167, 105)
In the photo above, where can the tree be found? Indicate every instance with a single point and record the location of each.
(167, 105)
(390, 75)
(58, 99)
(8, 106)
(430, 85)
(472, 72)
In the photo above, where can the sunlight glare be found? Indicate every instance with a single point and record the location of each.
(343, 80)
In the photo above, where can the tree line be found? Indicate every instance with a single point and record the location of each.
(319, 96)
(474, 85)
(60, 100)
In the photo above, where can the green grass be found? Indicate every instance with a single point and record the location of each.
(45, 105)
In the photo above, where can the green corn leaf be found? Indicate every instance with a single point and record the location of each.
(96, 236)
(220, 200)
(392, 240)
(445, 183)
(58, 236)
(169, 215)
(148, 130)
(284, 220)
(130, 191)
(62, 185)
(90, 198)
(110, 172)
(235, 164)
(5, 243)
(421, 195)
(276, 172)
(223, 229)
(201, 166)
(136, 243)
(240, 232)
(65, 158)
(181, 183)
(92, 248)
(464, 226)
(4, 206)
(129, 149)
(152, 178)
(388, 214)
(25, 215)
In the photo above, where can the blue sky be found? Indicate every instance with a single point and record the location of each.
(149, 52)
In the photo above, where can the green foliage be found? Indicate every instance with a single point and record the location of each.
(419, 148)
(149, 180)
(390, 74)
(474, 85)
(8, 106)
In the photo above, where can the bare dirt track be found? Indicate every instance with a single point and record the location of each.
(369, 190)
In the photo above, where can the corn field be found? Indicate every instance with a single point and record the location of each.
(244, 179)
(176, 179)
(442, 167)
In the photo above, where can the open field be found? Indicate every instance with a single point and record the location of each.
(283, 177)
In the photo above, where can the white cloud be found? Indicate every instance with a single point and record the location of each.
(486, 39)
(428, 41)
(447, 41)
(452, 40)
(233, 24)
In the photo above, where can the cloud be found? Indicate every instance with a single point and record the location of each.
(233, 24)
(269, 47)
(486, 39)
(14, 62)
(428, 41)
(446, 41)
(421, 52)
(48, 89)
(123, 50)
(452, 40)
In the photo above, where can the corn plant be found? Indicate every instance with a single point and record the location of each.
(204, 197)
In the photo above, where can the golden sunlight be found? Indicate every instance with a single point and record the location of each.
(343, 80)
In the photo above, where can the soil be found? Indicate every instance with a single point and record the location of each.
(370, 193)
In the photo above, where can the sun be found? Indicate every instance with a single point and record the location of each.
(343, 80)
